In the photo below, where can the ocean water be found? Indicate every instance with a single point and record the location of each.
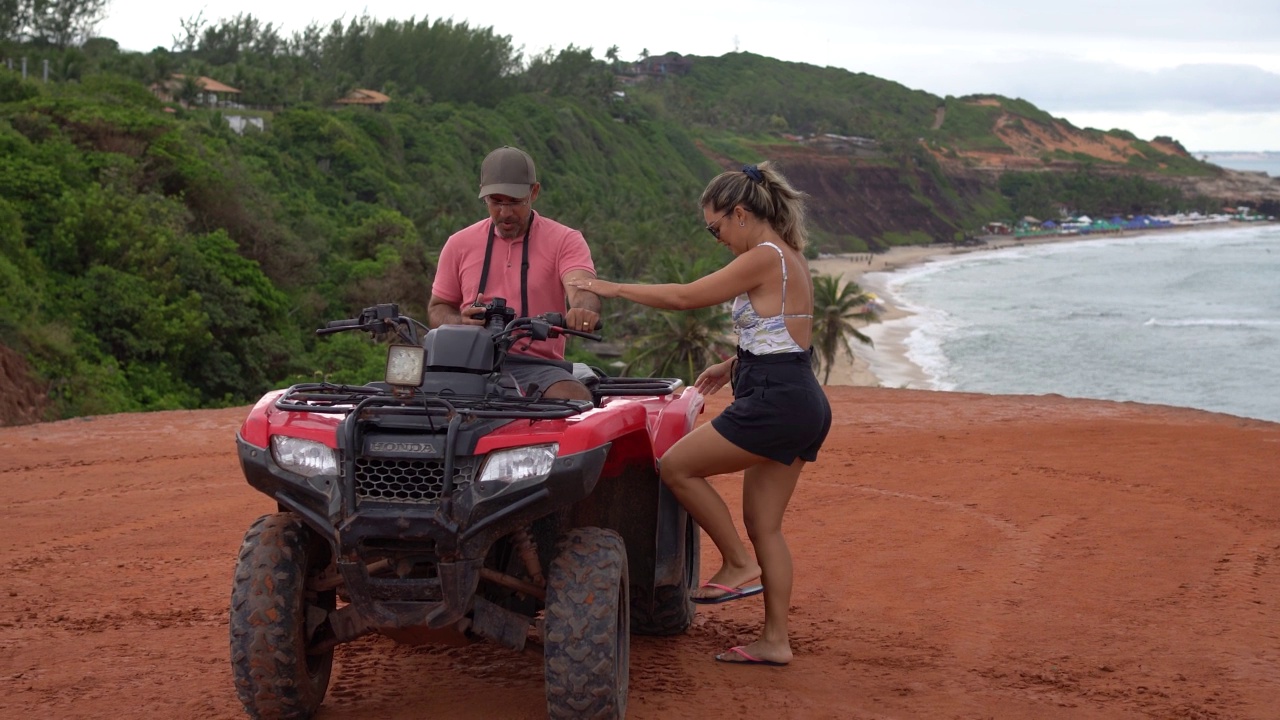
(1184, 318)
(1267, 162)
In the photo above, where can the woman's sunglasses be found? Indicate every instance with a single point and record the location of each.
(714, 228)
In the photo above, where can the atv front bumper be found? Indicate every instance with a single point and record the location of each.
(453, 534)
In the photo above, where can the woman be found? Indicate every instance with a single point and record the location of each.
(779, 416)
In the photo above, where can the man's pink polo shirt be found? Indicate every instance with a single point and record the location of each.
(554, 250)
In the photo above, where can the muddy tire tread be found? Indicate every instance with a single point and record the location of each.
(268, 653)
(586, 590)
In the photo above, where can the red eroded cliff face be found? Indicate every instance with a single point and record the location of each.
(22, 398)
(860, 198)
(856, 201)
(868, 201)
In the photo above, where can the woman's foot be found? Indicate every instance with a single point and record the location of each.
(758, 653)
(740, 578)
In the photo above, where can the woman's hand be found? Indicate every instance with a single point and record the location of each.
(714, 377)
(602, 288)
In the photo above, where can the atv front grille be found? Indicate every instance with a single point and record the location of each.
(408, 481)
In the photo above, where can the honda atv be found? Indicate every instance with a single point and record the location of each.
(442, 504)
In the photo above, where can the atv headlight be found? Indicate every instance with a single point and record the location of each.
(405, 364)
(304, 457)
(505, 468)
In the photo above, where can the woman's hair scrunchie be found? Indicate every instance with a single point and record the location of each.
(754, 173)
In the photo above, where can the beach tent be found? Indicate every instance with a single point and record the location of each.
(1049, 224)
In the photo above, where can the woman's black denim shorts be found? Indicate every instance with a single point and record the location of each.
(779, 410)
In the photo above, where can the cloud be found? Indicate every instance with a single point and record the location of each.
(1071, 83)
(1216, 131)
(1140, 21)
(1102, 86)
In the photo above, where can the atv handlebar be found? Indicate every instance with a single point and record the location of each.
(499, 318)
(379, 320)
(557, 320)
(334, 326)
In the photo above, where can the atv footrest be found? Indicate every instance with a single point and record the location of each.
(499, 624)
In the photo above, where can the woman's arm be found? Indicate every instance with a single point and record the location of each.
(715, 377)
(730, 281)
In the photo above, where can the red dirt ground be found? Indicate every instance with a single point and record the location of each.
(957, 556)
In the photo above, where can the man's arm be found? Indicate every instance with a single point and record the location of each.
(443, 312)
(584, 306)
(579, 298)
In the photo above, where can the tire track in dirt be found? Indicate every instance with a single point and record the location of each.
(79, 464)
(1066, 681)
(53, 548)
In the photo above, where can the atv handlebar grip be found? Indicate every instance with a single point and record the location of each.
(334, 326)
(558, 320)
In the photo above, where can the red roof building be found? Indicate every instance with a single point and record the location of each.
(362, 96)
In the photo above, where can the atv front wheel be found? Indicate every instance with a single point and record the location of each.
(587, 643)
(274, 617)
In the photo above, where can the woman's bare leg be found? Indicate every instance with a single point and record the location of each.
(685, 468)
(766, 490)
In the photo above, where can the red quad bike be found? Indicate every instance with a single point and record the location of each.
(442, 505)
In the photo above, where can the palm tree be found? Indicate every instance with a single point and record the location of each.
(838, 312)
(680, 344)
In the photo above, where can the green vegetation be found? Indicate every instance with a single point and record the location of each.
(747, 94)
(968, 126)
(153, 258)
(156, 262)
(1041, 194)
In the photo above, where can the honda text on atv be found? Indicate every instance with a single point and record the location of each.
(443, 504)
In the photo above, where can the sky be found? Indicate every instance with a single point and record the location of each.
(1206, 74)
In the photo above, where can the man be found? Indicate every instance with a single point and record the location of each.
(525, 258)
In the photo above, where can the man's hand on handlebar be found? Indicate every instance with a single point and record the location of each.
(581, 319)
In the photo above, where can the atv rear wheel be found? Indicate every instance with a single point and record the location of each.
(670, 609)
(274, 617)
(587, 644)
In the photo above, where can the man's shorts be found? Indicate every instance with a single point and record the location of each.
(533, 375)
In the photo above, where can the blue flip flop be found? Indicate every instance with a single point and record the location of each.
(730, 593)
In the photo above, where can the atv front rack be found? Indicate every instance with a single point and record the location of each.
(344, 399)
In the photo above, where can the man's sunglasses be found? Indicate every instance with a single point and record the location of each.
(496, 205)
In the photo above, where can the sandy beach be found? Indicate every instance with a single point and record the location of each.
(886, 364)
(890, 351)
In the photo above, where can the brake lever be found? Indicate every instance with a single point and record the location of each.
(581, 334)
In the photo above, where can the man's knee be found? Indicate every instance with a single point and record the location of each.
(568, 390)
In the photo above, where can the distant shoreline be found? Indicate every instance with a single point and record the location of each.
(887, 364)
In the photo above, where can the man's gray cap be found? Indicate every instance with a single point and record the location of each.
(507, 171)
